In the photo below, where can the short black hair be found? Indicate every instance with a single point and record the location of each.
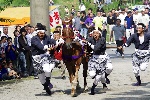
(129, 12)
(143, 26)
(90, 9)
(118, 19)
(58, 26)
(3, 37)
(83, 12)
(9, 38)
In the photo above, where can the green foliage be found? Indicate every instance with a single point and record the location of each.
(19, 3)
(4, 4)
(113, 5)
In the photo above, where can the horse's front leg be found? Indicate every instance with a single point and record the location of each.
(85, 68)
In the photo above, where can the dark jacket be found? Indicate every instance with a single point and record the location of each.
(23, 46)
(135, 39)
(37, 46)
(99, 46)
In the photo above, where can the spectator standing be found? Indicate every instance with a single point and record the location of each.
(83, 26)
(129, 24)
(24, 49)
(11, 51)
(5, 32)
(89, 22)
(111, 22)
(3, 44)
(144, 18)
(76, 23)
(119, 33)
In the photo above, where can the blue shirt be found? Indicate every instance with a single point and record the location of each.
(10, 54)
(89, 21)
(129, 21)
(3, 71)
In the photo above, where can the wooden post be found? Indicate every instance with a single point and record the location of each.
(39, 13)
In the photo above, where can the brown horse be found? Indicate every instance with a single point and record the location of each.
(72, 53)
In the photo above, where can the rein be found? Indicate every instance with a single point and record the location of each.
(66, 57)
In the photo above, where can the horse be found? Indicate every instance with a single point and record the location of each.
(72, 54)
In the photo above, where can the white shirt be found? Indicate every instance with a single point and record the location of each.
(136, 18)
(141, 38)
(4, 35)
(144, 19)
(122, 18)
(59, 41)
(82, 7)
(29, 37)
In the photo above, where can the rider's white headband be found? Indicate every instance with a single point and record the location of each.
(140, 26)
(42, 31)
(97, 31)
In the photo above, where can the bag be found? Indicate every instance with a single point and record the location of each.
(58, 55)
(124, 40)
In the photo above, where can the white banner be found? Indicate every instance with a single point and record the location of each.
(54, 18)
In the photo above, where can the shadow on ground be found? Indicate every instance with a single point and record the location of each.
(133, 94)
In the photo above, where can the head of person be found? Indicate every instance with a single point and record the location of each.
(97, 33)
(113, 11)
(18, 28)
(5, 30)
(126, 9)
(78, 13)
(3, 39)
(118, 21)
(9, 40)
(23, 32)
(136, 10)
(41, 32)
(123, 11)
(16, 33)
(91, 15)
(83, 13)
(56, 35)
(110, 13)
(146, 10)
(58, 28)
(140, 28)
(90, 10)
(129, 13)
(99, 13)
(32, 29)
(142, 12)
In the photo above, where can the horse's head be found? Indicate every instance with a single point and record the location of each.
(67, 32)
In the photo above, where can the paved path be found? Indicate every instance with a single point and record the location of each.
(120, 88)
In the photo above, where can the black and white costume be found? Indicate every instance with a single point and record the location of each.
(140, 58)
(43, 61)
(99, 65)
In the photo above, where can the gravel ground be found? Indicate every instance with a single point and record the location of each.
(120, 88)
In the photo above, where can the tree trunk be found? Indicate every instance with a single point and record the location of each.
(39, 13)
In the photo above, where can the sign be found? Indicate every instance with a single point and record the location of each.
(54, 17)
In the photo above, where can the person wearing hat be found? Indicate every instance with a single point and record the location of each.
(42, 54)
(24, 49)
(99, 65)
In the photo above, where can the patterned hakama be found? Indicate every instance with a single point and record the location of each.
(140, 61)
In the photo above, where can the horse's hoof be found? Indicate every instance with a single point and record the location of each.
(73, 93)
(86, 89)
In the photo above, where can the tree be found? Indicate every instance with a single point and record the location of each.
(4, 4)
